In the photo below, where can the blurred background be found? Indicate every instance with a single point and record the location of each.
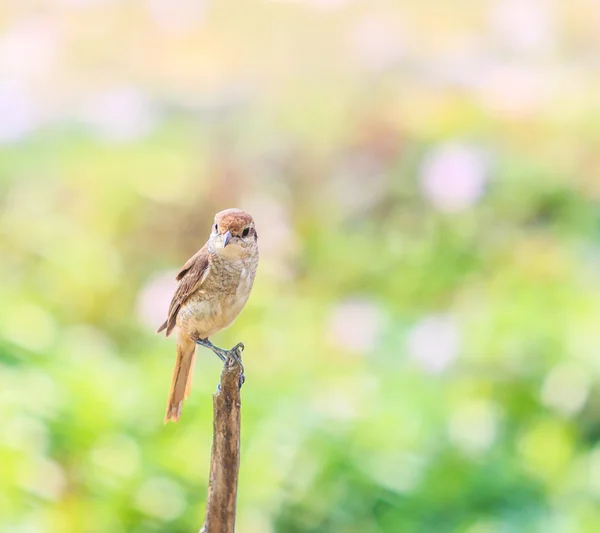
(423, 339)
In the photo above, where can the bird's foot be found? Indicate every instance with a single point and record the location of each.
(235, 355)
(219, 352)
(226, 356)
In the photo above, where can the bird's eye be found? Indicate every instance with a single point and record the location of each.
(245, 232)
(216, 228)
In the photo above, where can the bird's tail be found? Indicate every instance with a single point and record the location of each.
(182, 376)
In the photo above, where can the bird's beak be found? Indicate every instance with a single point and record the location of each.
(226, 238)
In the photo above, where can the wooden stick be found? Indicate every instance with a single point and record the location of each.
(225, 454)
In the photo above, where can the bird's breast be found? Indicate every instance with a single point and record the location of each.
(220, 299)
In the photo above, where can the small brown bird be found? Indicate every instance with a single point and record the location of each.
(214, 286)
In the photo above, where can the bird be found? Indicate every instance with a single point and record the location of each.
(213, 288)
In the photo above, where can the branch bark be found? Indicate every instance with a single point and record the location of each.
(225, 454)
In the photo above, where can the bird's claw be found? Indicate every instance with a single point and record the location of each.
(238, 347)
(227, 356)
(237, 350)
(234, 355)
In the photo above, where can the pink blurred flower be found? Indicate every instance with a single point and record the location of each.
(524, 24)
(377, 44)
(37, 39)
(434, 343)
(513, 90)
(187, 15)
(20, 115)
(355, 325)
(86, 3)
(119, 114)
(453, 177)
(324, 4)
(153, 300)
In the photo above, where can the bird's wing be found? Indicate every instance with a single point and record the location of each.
(190, 277)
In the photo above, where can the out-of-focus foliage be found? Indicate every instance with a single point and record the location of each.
(423, 340)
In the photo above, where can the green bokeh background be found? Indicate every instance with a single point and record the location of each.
(414, 362)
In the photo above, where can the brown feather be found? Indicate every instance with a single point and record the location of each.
(234, 220)
(190, 277)
(182, 376)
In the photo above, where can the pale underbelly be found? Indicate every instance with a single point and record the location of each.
(204, 318)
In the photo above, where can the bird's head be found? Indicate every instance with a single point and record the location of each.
(233, 233)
